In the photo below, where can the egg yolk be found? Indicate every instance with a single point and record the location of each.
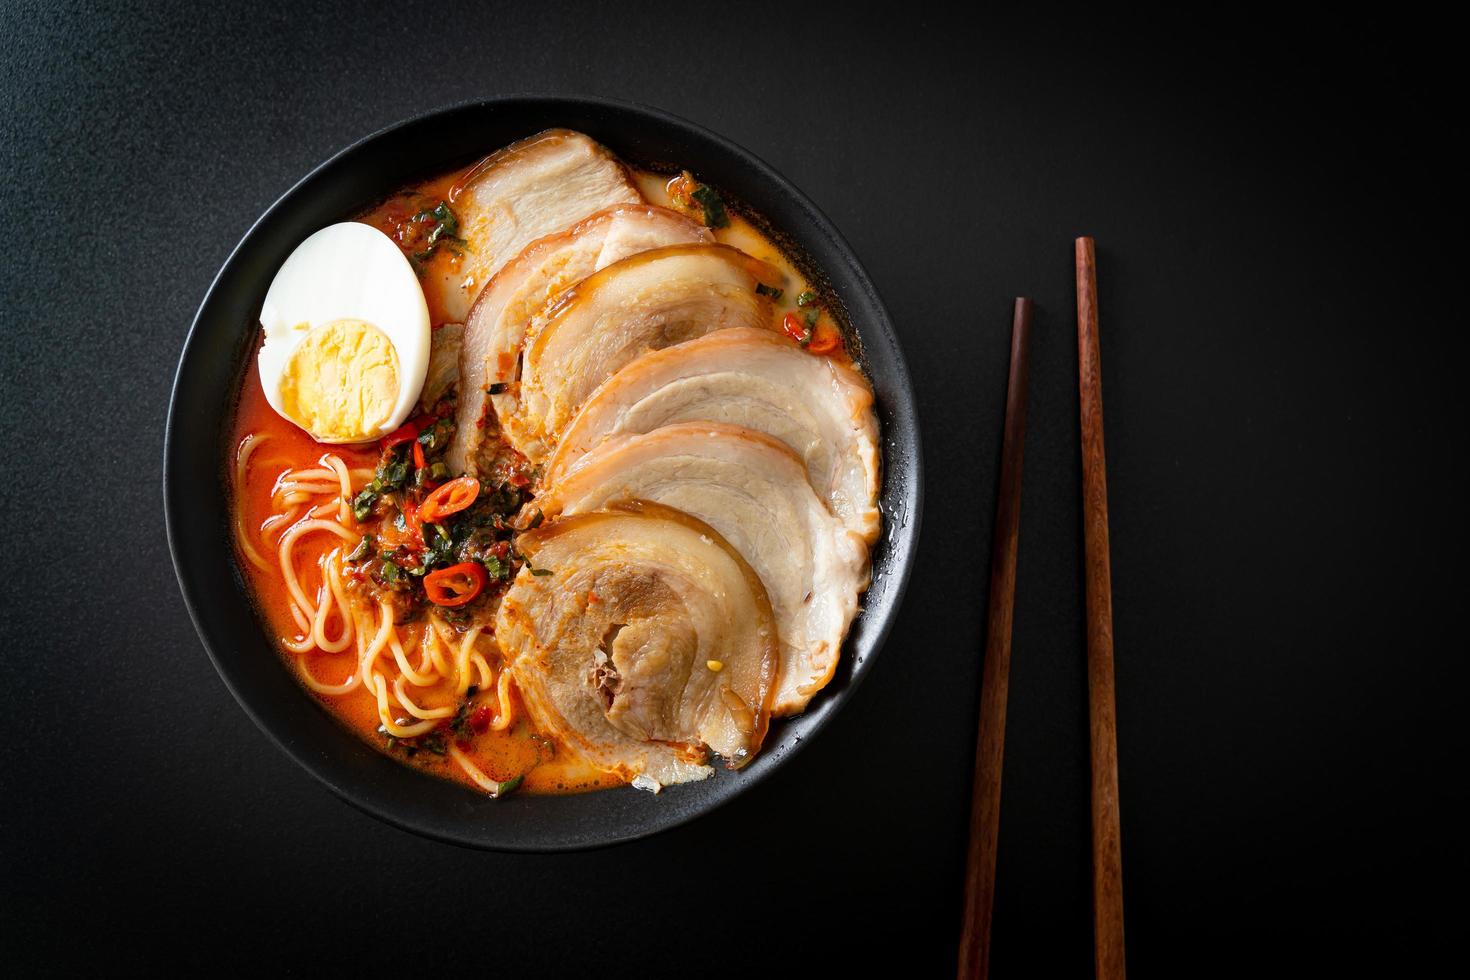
(341, 382)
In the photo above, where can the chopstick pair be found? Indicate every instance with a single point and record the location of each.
(1107, 859)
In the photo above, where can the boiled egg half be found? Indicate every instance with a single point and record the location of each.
(346, 335)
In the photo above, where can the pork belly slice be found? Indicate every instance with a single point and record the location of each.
(536, 187)
(549, 265)
(753, 490)
(821, 409)
(650, 641)
(648, 301)
(445, 344)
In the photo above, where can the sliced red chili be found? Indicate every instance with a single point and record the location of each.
(418, 455)
(412, 522)
(795, 328)
(455, 585)
(451, 498)
(400, 435)
(481, 718)
(825, 340)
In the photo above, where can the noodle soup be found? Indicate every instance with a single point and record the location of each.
(381, 566)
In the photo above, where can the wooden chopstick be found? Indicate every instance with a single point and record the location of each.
(995, 674)
(1107, 851)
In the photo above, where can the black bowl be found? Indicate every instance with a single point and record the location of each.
(196, 453)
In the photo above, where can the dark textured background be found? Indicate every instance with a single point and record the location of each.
(1284, 446)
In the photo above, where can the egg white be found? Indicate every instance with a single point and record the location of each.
(347, 271)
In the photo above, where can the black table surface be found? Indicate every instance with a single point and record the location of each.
(1284, 445)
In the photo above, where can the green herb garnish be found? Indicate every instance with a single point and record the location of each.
(439, 547)
(772, 291)
(446, 229)
(392, 473)
(460, 723)
(364, 548)
(438, 435)
(509, 786)
(714, 208)
(448, 223)
(806, 298)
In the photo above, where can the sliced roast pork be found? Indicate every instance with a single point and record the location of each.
(753, 490)
(758, 379)
(444, 347)
(645, 640)
(537, 187)
(546, 267)
(649, 301)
